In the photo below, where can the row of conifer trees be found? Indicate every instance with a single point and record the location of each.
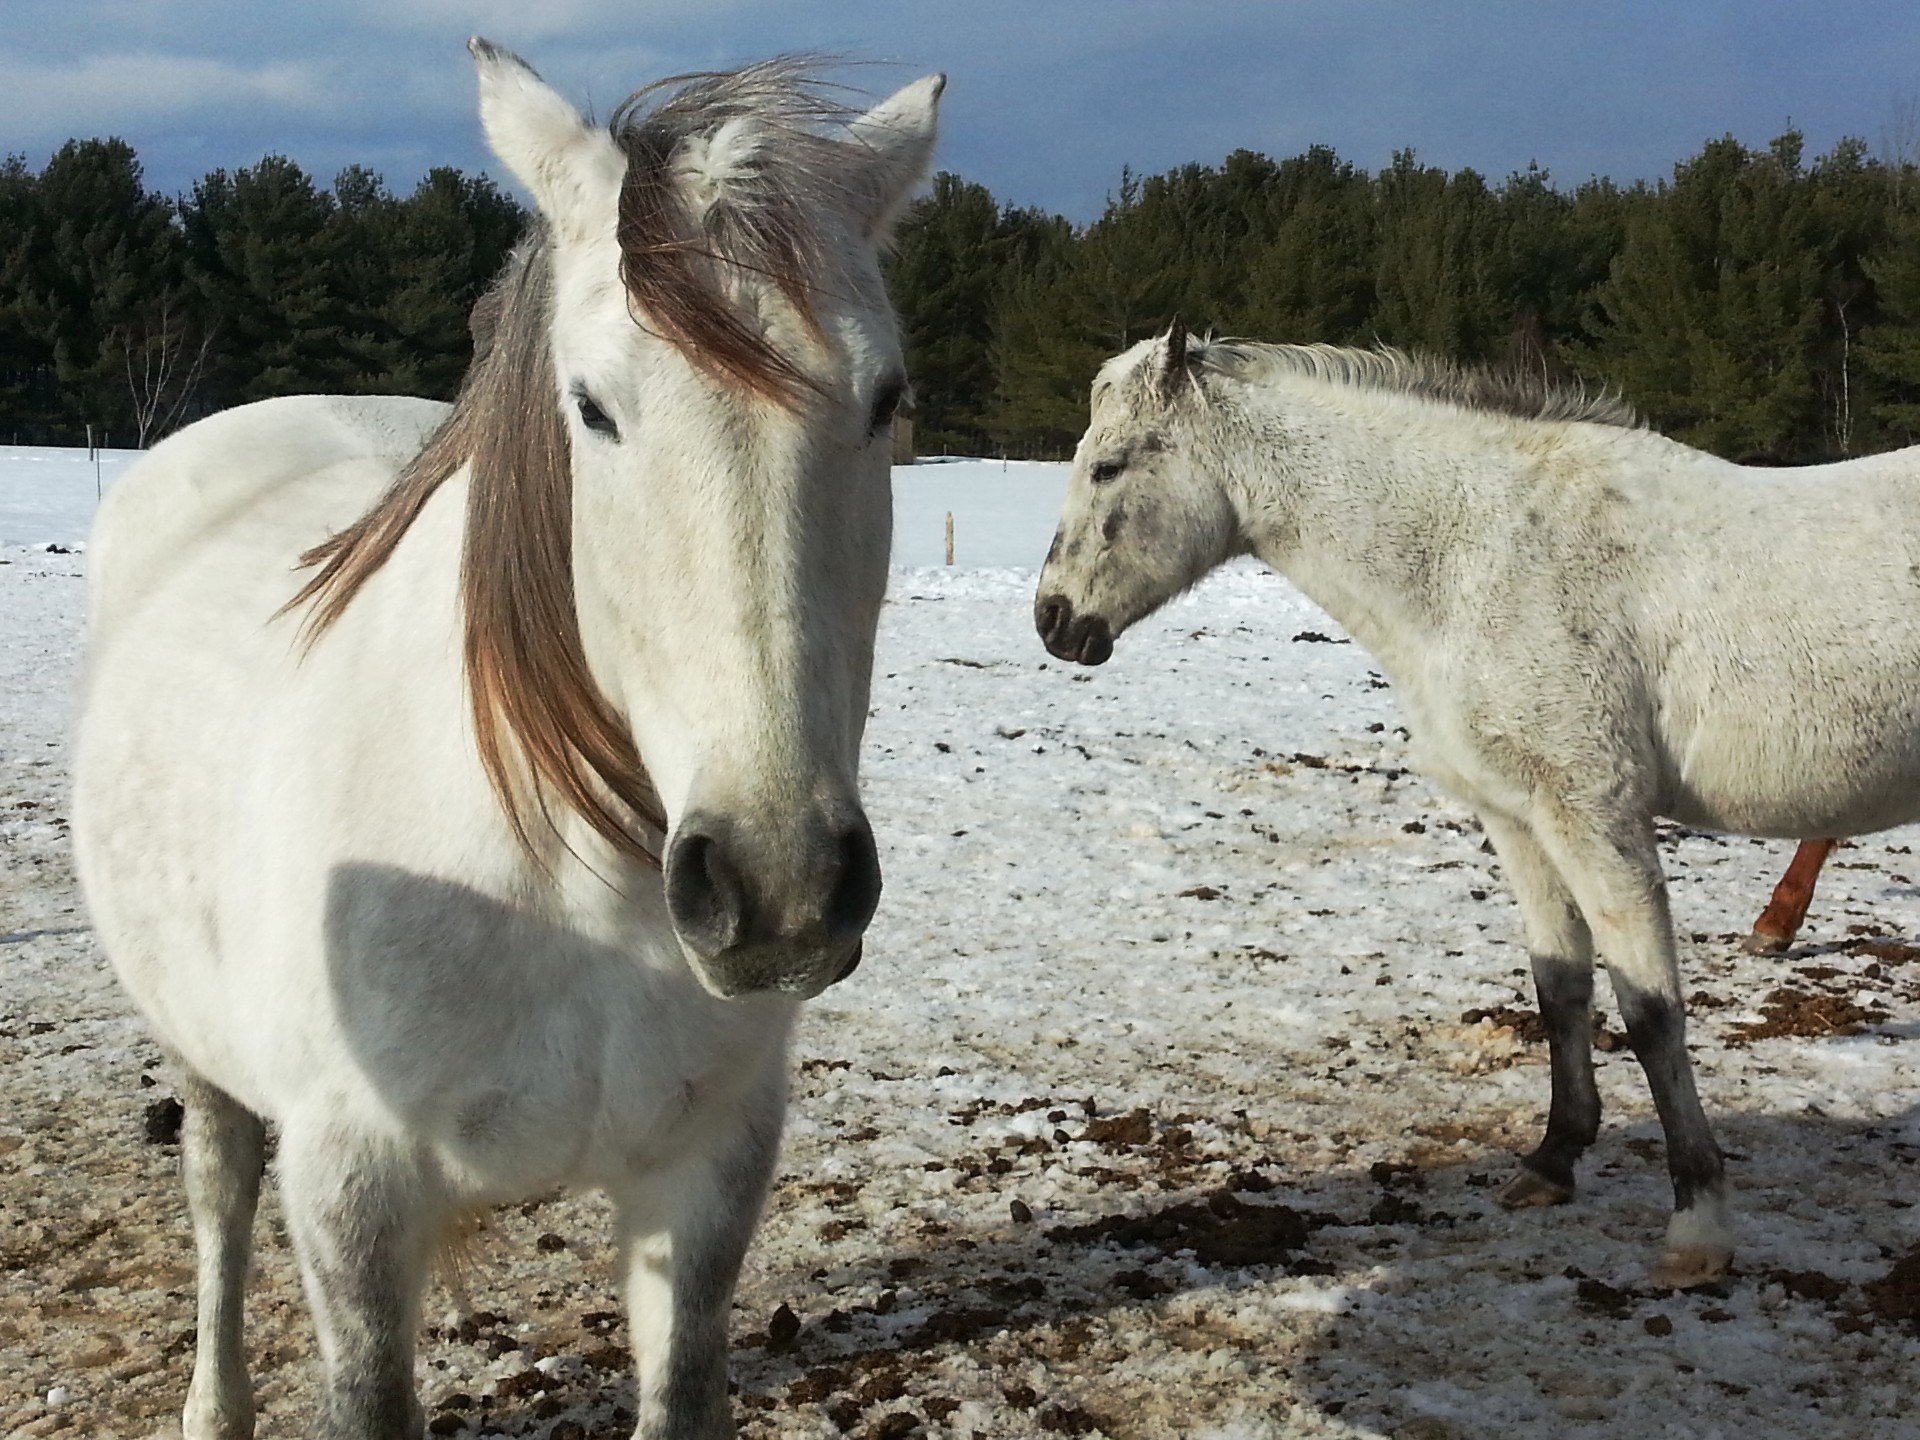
(1757, 304)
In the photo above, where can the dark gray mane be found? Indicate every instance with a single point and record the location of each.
(1472, 387)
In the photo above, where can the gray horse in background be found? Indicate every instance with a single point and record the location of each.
(1589, 626)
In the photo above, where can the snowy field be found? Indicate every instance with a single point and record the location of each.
(1191, 1041)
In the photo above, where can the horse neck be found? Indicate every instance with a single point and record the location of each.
(1371, 505)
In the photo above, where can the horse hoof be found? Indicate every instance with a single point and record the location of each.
(1695, 1265)
(1527, 1190)
(1761, 943)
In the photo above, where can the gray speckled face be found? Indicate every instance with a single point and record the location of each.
(1141, 522)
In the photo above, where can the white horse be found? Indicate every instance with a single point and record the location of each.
(1589, 625)
(375, 848)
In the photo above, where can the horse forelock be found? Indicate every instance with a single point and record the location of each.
(1491, 390)
(542, 726)
(727, 177)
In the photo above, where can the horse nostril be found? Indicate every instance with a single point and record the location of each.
(856, 889)
(1050, 615)
(1096, 643)
(706, 894)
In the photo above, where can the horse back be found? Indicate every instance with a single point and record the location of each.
(293, 469)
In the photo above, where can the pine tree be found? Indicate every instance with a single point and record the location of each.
(1711, 317)
(1436, 242)
(1890, 351)
(95, 285)
(28, 391)
(1312, 278)
(455, 234)
(1755, 304)
(947, 267)
(261, 253)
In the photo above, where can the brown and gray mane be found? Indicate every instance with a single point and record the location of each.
(543, 727)
(1473, 387)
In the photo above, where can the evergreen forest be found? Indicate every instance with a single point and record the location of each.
(1759, 303)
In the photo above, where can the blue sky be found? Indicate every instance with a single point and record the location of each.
(1047, 98)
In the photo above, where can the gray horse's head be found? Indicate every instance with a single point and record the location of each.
(1146, 515)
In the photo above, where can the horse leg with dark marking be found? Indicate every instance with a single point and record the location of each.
(222, 1151)
(1786, 912)
(685, 1231)
(1624, 897)
(1562, 951)
(1699, 1237)
(364, 1215)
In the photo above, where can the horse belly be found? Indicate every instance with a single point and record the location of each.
(1787, 784)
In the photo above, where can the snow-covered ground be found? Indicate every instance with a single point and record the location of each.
(1153, 1112)
(47, 496)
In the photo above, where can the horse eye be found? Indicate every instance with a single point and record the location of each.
(1106, 471)
(886, 405)
(593, 417)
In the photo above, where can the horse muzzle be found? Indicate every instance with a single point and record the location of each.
(759, 918)
(1084, 639)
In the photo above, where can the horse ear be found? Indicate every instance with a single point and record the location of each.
(572, 170)
(898, 134)
(1173, 370)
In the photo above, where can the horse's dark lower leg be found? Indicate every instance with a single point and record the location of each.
(1786, 911)
(1562, 950)
(1613, 869)
(1565, 989)
(1699, 1237)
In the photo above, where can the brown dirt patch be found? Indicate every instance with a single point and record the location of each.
(1527, 1026)
(1892, 951)
(1799, 1014)
(1895, 1296)
(1220, 1230)
(1529, 1029)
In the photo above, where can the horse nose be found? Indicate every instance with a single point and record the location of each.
(785, 917)
(1086, 639)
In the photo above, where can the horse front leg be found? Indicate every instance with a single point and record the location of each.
(364, 1213)
(223, 1147)
(1621, 891)
(1561, 948)
(1786, 911)
(685, 1231)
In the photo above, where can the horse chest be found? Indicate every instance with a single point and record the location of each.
(583, 1063)
(634, 1111)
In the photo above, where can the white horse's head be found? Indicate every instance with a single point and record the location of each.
(678, 426)
(1146, 514)
(727, 363)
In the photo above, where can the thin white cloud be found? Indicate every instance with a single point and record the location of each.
(582, 20)
(118, 91)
